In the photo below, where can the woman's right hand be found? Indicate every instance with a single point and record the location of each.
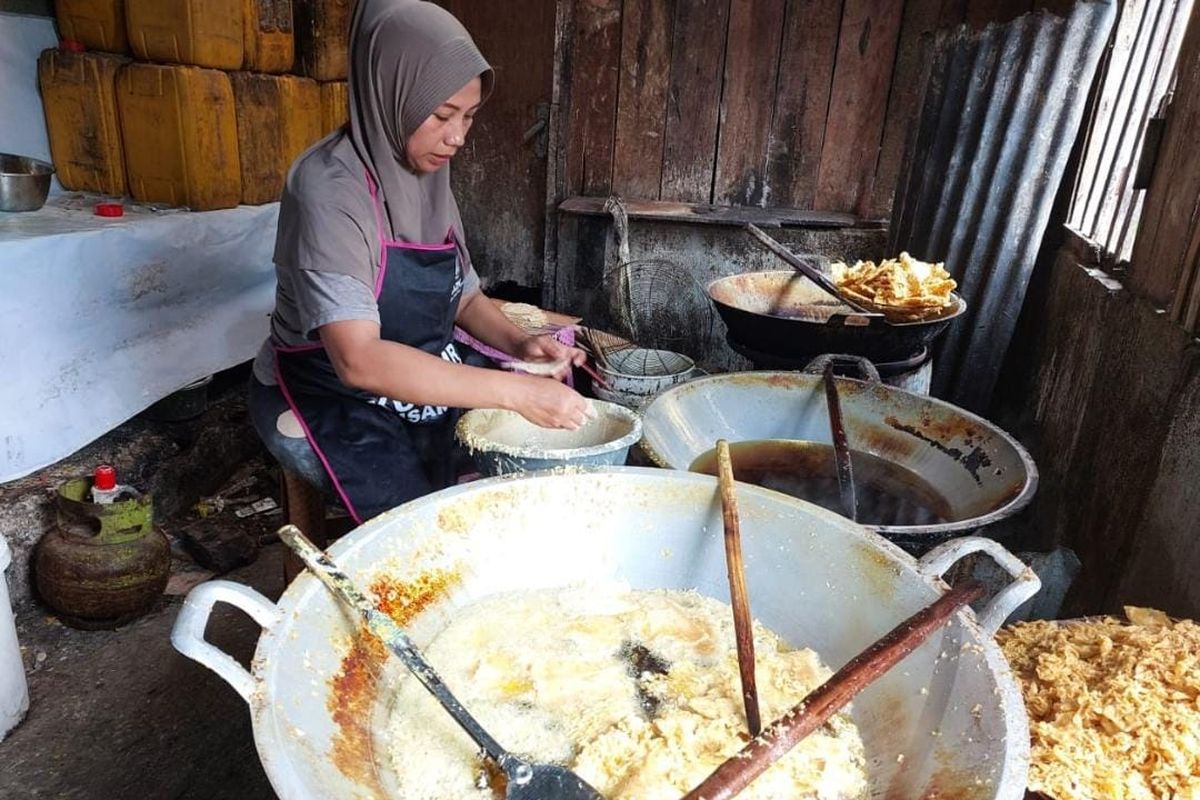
(549, 404)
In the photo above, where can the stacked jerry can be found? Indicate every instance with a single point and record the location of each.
(321, 48)
(96, 24)
(180, 135)
(278, 117)
(203, 33)
(79, 94)
(268, 40)
(207, 115)
(335, 105)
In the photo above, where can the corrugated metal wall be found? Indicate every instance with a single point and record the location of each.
(1000, 113)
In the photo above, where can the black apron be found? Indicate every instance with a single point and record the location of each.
(380, 453)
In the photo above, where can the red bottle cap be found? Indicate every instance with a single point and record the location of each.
(71, 45)
(105, 478)
(110, 210)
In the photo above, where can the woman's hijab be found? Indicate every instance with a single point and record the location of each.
(407, 57)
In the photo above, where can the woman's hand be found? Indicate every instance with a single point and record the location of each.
(549, 404)
(548, 349)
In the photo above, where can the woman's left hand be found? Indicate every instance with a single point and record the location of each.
(546, 348)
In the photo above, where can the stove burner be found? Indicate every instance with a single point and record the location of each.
(764, 361)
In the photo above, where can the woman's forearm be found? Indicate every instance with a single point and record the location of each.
(399, 372)
(484, 320)
(403, 373)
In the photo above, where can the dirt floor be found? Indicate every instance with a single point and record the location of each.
(120, 714)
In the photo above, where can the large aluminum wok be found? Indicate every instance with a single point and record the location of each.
(785, 314)
(318, 696)
(981, 472)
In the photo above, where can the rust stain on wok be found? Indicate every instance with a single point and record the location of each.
(781, 380)
(353, 688)
(972, 459)
(349, 704)
(404, 600)
(950, 426)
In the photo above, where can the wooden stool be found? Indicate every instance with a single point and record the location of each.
(304, 506)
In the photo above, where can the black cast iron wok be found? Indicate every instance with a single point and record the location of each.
(785, 314)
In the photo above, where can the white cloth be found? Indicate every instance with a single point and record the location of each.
(22, 124)
(102, 317)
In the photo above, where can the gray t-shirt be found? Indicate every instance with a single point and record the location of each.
(328, 248)
(304, 301)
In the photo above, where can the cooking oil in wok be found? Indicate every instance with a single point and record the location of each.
(888, 494)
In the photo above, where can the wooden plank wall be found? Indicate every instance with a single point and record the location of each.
(1113, 434)
(500, 178)
(1116, 395)
(771, 103)
(1166, 254)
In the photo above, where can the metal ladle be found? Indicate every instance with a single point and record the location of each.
(526, 780)
(807, 270)
(841, 445)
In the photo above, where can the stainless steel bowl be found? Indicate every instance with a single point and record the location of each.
(24, 182)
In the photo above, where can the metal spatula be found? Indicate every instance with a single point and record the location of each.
(810, 272)
(526, 781)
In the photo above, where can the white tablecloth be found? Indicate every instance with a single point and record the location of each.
(102, 317)
(22, 124)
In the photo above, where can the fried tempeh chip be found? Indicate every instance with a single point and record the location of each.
(904, 289)
(1114, 707)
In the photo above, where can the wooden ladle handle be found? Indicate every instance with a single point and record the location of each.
(743, 626)
(828, 698)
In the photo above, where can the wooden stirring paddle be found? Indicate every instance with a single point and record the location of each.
(828, 698)
(743, 626)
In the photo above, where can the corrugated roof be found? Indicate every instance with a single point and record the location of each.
(1000, 113)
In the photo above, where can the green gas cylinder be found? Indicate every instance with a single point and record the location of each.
(103, 564)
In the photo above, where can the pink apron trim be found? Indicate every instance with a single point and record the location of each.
(564, 336)
(385, 243)
(312, 442)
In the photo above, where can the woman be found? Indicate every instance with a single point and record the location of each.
(356, 385)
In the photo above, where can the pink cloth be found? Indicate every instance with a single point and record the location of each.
(563, 335)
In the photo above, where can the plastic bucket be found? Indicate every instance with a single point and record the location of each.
(14, 692)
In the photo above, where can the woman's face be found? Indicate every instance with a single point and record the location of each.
(432, 145)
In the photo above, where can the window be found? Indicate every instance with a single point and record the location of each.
(1135, 87)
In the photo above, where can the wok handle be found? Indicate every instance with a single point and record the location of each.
(188, 633)
(868, 370)
(938, 561)
(804, 268)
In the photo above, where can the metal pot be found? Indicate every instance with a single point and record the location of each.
(785, 314)
(980, 472)
(24, 182)
(948, 721)
(504, 443)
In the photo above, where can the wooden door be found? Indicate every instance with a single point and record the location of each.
(500, 177)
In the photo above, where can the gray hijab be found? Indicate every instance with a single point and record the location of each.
(407, 57)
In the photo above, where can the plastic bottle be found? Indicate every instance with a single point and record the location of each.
(105, 489)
